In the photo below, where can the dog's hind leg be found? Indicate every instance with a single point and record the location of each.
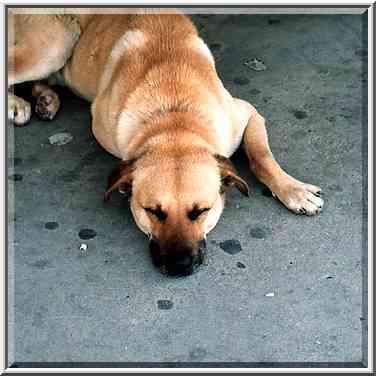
(38, 46)
(297, 196)
(48, 102)
(19, 110)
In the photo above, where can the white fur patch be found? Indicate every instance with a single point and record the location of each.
(131, 40)
(135, 113)
(214, 215)
(201, 46)
(222, 125)
(230, 132)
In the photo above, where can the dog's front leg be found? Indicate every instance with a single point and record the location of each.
(295, 195)
(19, 111)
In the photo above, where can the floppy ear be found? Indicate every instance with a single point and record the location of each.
(121, 177)
(229, 175)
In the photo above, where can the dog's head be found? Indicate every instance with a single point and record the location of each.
(176, 200)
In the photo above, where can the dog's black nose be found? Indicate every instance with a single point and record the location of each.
(179, 264)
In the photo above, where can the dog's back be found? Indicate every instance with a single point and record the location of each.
(140, 42)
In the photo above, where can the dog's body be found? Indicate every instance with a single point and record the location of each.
(159, 105)
(145, 68)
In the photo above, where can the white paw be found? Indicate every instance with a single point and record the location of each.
(299, 197)
(19, 111)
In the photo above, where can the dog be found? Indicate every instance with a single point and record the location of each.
(160, 107)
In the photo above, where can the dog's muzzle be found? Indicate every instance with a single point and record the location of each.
(179, 262)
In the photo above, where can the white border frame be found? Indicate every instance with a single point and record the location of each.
(218, 3)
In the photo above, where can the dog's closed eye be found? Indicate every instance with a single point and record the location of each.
(196, 212)
(158, 213)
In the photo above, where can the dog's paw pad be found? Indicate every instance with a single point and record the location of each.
(19, 111)
(48, 104)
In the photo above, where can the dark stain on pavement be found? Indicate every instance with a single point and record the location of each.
(241, 81)
(257, 232)
(51, 225)
(165, 304)
(362, 52)
(231, 246)
(254, 91)
(16, 177)
(299, 114)
(240, 265)
(87, 233)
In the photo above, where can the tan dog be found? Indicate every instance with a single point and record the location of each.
(159, 106)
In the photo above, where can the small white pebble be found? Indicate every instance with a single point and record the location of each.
(83, 247)
(270, 294)
(318, 342)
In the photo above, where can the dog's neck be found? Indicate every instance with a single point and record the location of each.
(179, 128)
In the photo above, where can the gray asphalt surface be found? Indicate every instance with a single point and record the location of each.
(109, 304)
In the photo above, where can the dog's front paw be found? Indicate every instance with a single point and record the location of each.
(48, 104)
(299, 197)
(19, 111)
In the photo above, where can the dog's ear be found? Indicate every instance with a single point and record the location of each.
(229, 176)
(121, 178)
